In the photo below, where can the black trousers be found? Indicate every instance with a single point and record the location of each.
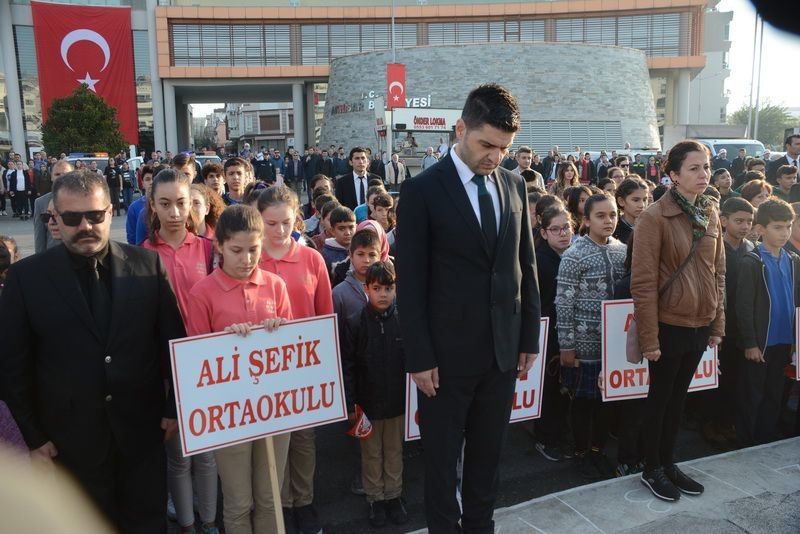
(630, 443)
(19, 202)
(130, 492)
(473, 410)
(590, 419)
(760, 396)
(670, 376)
(552, 426)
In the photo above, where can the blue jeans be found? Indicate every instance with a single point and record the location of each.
(127, 197)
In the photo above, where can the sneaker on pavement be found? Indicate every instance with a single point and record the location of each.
(661, 486)
(549, 452)
(377, 513)
(682, 481)
(306, 519)
(624, 470)
(396, 511)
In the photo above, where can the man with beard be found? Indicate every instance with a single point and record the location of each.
(83, 382)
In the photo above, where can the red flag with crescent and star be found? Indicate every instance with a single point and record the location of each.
(395, 85)
(90, 45)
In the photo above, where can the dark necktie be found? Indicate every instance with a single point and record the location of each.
(488, 220)
(99, 298)
(361, 199)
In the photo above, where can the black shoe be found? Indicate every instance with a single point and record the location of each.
(397, 511)
(549, 452)
(586, 467)
(306, 520)
(683, 482)
(377, 513)
(602, 464)
(288, 521)
(661, 486)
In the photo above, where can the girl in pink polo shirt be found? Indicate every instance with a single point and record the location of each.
(187, 259)
(236, 296)
(306, 277)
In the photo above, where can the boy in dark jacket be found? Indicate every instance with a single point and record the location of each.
(374, 378)
(767, 294)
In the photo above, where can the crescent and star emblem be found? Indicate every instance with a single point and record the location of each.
(399, 85)
(83, 34)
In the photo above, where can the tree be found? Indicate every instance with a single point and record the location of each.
(82, 122)
(772, 121)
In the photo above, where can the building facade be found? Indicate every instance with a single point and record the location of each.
(194, 51)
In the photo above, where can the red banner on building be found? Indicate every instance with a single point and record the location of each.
(90, 45)
(395, 85)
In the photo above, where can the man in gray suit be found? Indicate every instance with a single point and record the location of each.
(42, 240)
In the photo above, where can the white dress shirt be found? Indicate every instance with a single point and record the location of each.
(472, 188)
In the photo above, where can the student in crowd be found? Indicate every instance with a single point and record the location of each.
(314, 222)
(677, 284)
(11, 245)
(307, 281)
(576, 198)
(213, 175)
(383, 211)
(545, 202)
(608, 186)
(767, 295)
(341, 269)
(566, 176)
(207, 207)
(183, 163)
(785, 177)
(373, 368)
(343, 226)
(756, 192)
(617, 175)
(135, 226)
(187, 259)
(752, 165)
(325, 231)
(236, 172)
(232, 298)
(555, 236)
(364, 211)
(721, 179)
(631, 198)
(586, 277)
(320, 184)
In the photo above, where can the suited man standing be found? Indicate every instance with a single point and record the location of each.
(395, 172)
(465, 225)
(295, 171)
(84, 383)
(792, 157)
(351, 188)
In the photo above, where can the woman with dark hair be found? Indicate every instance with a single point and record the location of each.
(566, 176)
(678, 284)
(575, 200)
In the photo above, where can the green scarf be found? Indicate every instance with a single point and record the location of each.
(699, 213)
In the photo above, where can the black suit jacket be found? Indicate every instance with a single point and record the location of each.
(463, 308)
(290, 175)
(63, 381)
(345, 189)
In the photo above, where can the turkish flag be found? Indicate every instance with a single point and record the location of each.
(91, 45)
(395, 85)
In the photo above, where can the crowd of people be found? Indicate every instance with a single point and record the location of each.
(707, 250)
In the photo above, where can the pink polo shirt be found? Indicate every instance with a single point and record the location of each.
(306, 277)
(186, 265)
(219, 301)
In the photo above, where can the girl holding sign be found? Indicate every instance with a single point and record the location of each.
(232, 298)
(678, 284)
(187, 259)
(303, 270)
(586, 277)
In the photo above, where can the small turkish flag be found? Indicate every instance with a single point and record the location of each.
(91, 45)
(395, 85)
(362, 429)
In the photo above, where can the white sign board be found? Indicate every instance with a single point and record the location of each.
(527, 402)
(426, 119)
(232, 389)
(624, 380)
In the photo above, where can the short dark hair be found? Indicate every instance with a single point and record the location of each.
(382, 273)
(752, 162)
(342, 214)
(774, 210)
(356, 149)
(238, 218)
(788, 140)
(734, 204)
(81, 182)
(209, 168)
(628, 186)
(494, 105)
(236, 162)
(785, 170)
(659, 191)
(321, 200)
(316, 179)
(365, 238)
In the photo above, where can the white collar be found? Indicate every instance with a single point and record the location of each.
(464, 173)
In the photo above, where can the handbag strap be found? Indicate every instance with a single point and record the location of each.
(678, 271)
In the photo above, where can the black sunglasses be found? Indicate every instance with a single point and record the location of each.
(74, 218)
(45, 217)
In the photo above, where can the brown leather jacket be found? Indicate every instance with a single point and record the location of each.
(662, 240)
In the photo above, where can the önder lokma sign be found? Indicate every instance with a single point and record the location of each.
(232, 389)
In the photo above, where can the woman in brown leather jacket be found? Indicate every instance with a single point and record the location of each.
(677, 283)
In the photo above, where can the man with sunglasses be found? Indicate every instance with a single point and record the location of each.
(624, 163)
(85, 385)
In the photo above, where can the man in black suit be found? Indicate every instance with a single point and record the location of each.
(351, 188)
(467, 286)
(85, 385)
(294, 172)
(792, 147)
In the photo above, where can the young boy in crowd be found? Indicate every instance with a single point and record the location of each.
(786, 177)
(342, 225)
(236, 173)
(767, 294)
(212, 174)
(374, 377)
(313, 222)
(363, 211)
(349, 297)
